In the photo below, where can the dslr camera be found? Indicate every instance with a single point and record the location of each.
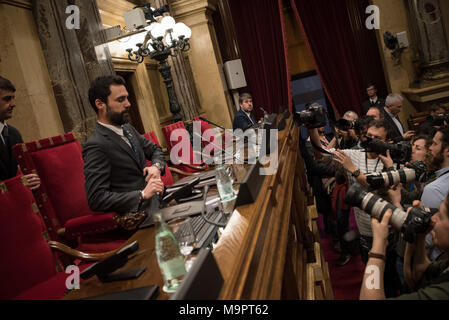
(416, 171)
(415, 222)
(314, 117)
(400, 152)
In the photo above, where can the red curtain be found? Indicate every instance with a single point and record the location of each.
(261, 37)
(344, 71)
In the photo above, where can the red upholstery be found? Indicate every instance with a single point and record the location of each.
(185, 152)
(206, 126)
(27, 260)
(167, 178)
(61, 197)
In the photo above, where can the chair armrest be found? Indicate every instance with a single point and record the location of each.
(184, 173)
(78, 254)
(89, 225)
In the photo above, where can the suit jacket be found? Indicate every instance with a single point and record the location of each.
(241, 121)
(380, 103)
(393, 132)
(114, 172)
(8, 161)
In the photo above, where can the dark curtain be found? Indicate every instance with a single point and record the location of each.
(261, 37)
(345, 51)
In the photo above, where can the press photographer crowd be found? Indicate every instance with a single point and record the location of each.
(396, 183)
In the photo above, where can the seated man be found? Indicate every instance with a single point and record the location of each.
(243, 118)
(10, 136)
(429, 280)
(117, 178)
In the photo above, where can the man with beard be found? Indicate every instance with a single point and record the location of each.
(435, 192)
(117, 178)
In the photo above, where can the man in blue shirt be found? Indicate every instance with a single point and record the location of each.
(435, 192)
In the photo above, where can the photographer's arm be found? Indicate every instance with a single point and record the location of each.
(315, 140)
(373, 278)
(341, 157)
(332, 144)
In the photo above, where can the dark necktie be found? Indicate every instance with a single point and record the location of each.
(128, 136)
(5, 135)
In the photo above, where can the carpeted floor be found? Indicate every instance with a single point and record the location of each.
(346, 280)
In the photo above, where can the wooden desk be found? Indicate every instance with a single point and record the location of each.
(257, 253)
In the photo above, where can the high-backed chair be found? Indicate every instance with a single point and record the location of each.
(184, 158)
(29, 268)
(62, 198)
(206, 126)
(416, 120)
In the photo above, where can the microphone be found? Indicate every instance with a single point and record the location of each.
(203, 212)
(220, 148)
(210, 122)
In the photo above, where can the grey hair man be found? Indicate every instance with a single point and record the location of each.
(393, 106)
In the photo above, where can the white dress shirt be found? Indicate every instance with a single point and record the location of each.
(118, 130)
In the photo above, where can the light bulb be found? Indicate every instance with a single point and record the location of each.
(168, 23)
(168, 40)
(158, 31)
(181, 30)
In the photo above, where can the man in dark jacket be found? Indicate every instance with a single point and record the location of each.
(244, 119)
(117, 178)
(10, 136)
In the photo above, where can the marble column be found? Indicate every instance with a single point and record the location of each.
(205, 58)
(74, 58)
(427, 24)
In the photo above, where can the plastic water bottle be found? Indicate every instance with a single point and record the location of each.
(169, 257)
(224, 183)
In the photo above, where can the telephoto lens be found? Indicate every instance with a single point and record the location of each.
(417, 171)
(416, 221)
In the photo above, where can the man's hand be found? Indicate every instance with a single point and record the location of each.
(151, 173)
(386, 160)
(394, 193)
(408, 135)
(345, 160)
(33, 180)
(381, 229)
(153, 186)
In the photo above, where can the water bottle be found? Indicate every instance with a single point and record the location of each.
(224, 183)
(169, 257)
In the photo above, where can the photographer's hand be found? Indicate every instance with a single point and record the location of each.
(394, 193)
(373, 279)
(408, 135)
(386, 160)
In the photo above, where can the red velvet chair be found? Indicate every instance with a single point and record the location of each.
(182, 161)
(62, 198)
(206, 126)
(29, 268)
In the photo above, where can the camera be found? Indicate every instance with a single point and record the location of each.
(415, 222)
(416, 171)
(440, 120)
(345, 125)
(400, 152)
(314, 117)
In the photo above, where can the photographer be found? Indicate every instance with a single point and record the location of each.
(349, 138)
(358, 163)
(430, 280)
(431, 125)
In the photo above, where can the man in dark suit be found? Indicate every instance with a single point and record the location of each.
(244, 118)
(393, 106)
(10, 136)
(117, 178)
(373, 99)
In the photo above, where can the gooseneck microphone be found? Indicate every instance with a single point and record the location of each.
(210, 122)
(203, 211)
(219, 148)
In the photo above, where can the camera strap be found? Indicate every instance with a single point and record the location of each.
(366, 164)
